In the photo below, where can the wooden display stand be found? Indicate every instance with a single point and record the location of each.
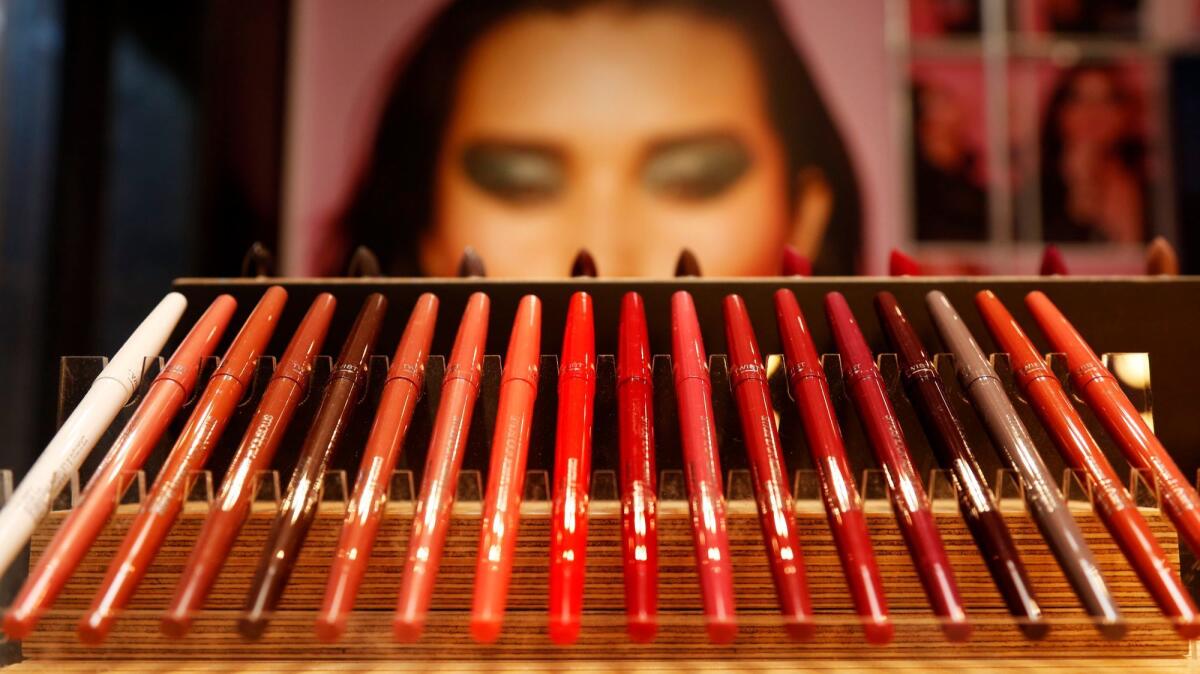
(214, 644)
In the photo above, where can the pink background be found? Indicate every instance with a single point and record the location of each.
(343, 54)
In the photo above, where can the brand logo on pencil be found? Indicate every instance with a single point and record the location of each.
(747, 372)
(578, 370)
(469, 374)
(920, 370)
(347, 371)
(1031, 371)
(801, 371)
(861, 372)
(1089, 372)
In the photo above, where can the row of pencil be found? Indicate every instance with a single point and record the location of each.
(576, 393)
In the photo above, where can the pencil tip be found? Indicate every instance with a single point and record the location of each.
(470, 264)
(583, 265)
(1053, 263)
(687, 264)
(795, 263)
(363, 263)
(900, 264)
(1161, 259)
(258, 261)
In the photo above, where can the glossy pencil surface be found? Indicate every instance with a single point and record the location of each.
(1012, 440)
(73, 441)
(1097, 386)
(287, 387)
(146, 427)
(748, 378)
(506, 476)
(1114, 505)
(432, 521)
(913, 511)
(401, 391)
(299, 505)
(949, 442)
(572, 470)
(839, 491)
(706, 492)
(639, 492)
(162, 505)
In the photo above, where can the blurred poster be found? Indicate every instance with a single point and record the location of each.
(528, 130)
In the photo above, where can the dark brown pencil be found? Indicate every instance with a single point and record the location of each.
(300, 504)
(949, 443)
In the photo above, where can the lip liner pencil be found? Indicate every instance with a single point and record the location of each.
(300, 502)
(1077, 446)
(506, 476)
(166, 395)
(572, 470)
(1012, 440)
(843, 507)
(639, 491)
(748, 378)
(975, 499)
(446, 446)
(914, 514)
(203, 429)
(702, 469)
(401, 392)
(287, 387)
(1142, 449)
(74, 440)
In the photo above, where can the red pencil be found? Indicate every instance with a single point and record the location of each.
(432, 521)
(204, 428)
(913, 511)
(506, 476)
(1097, 386)
(572, 470)
(86, 520)
(1118, 511)
(401, 392)
(266, 430)
(639, 494)
(843, 507)
(748, 378)
(706, 493)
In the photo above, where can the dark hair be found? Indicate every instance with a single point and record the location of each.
(393, 200)
(1130, 149)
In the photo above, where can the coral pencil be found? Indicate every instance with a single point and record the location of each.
(1012, 440)
(572, 470)
(702, 469)
(432, 521)
(287, 388)
(74, 440)
(300, 502)
(145, 428)
(405, 381)
(639, 493)
(1097, 386)
(506, 477)
(949, 442)
(748, 378)
(913, 511)
(843, 507)
(1114, 505)
(203, 429)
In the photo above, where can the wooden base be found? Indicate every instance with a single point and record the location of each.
(603, 639)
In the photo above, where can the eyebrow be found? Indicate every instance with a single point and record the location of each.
(533, 147)
(662, 142)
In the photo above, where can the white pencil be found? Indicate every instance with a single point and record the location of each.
(78, 435)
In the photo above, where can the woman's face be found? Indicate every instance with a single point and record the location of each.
(1093, 113)
(631, 134)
